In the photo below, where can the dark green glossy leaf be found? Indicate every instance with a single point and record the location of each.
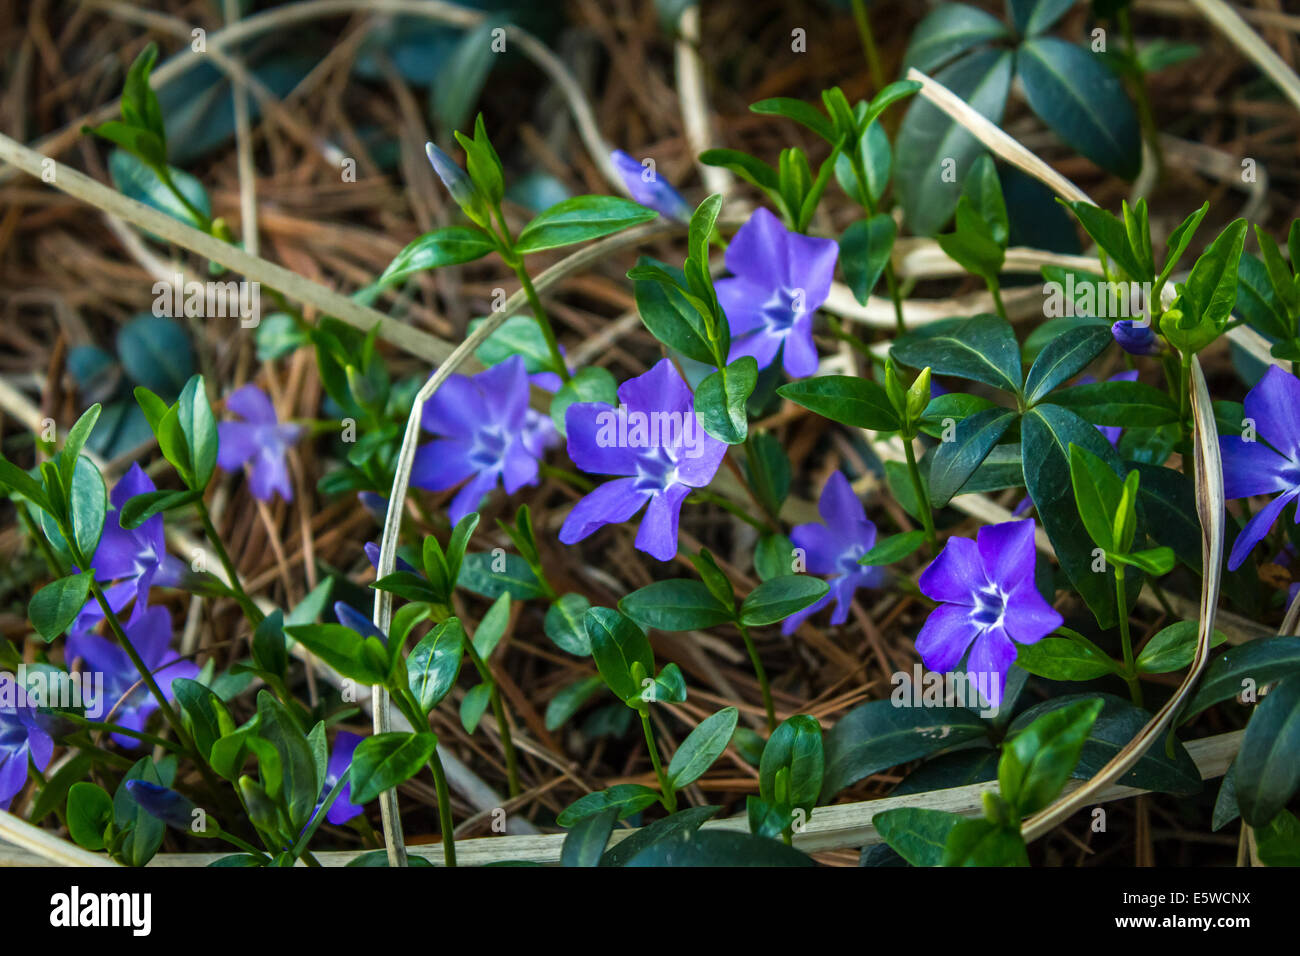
(678, 604)
(982, 348)
(385, 761)
(1260, 661)
(1268, 764)
(626, 798)
(852, 401)
(720, 400)
(1064, 357)
(586, 839)
(434, 663)
(864, 252)
(1037, 761)
(777, 598)
(702, 747)
(953, 462)
(916, 834)
(580, 219)
(683, 821)
(796, 747)
(893, 549)
(54, 607)
(716, 848)
(981, 843)
(950, 30)
(617, 644)
(564, 624)
(1059, 658)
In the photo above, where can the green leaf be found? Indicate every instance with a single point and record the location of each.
(1261, 661)
(363, 659)
(72, 445)
(200, 430)
(54, 607)
(982, 348)
(434, 664)
(669, 316)
(950, 30)
(202, 709)
(702, 747)
(580, 219)
(981, 843)
(1110, 235)
(385, 761)
(517, 579)
(461, 534)
(668, 688)
(442, 247)
(931, 147)
(1173, 648)
(1279, 840)
(140, 181)
(139, 509)
(777, 598)
(1118, 724)
(799, 111)
(718, 848)
(1156, 562)
(87, 505)
(1097, 493)
(1180, 239)
(1211, 287)
(1037, 761)
(409, 585)
(1119, 404)
(140, 142)
(1082, 101)
(1059, 658)
(864, 252)
(916, 834)
(14, 480)
(301, 777)
(493, 627)
(617, 645)
(1267, 768)
(1032, 17)
(90, 811)
(569, 700)
(749, 168)
(586, 840)
(473, 704)
(143, 832)
(767, 469)
(667, 829)
(678, 604)
(591, 384)
(720, 400)
(795, 747)
(972, 245)
(878, 735)
(625, 798)
(564, 624)
(893, 549)
(847, 399)
(973, 439)
(1065, 357)
(1047, 431)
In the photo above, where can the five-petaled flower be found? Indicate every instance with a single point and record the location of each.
(21, 735)
(833, 548)
(1272, 466)
(656, 441)
(988, 603)
(487, 438)
(649, 188)
(134, 559)
(127, 700)
(779, 280)
(259, 438)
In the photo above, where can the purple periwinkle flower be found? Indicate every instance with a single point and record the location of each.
(134, 559)
(343, 809)
(1272, 466)
(21, 736)
(833, 548)
(988, 603)
(127, 700)
(484, 421)
(1134, 338)
(779, 281)
(653, 439)
(259, 439)
(649, 188)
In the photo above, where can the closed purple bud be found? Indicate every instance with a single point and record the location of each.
(649, 188)
(349, 617)
(459, 184)
(162, 802)
(1135, 339)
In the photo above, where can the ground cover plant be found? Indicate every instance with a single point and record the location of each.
(862, 491)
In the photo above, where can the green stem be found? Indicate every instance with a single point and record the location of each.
(997, 299)
(1146, 115)
(251, 611)
(1126, 640)
(669, 795)
(205, 222)
(868, 38)
(922, 499)
(539, 314)
(761, 674)
(891, 280)
(406, 703)
(709, 497)
(498, 709)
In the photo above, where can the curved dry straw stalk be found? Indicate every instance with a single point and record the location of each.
(1208, 474)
